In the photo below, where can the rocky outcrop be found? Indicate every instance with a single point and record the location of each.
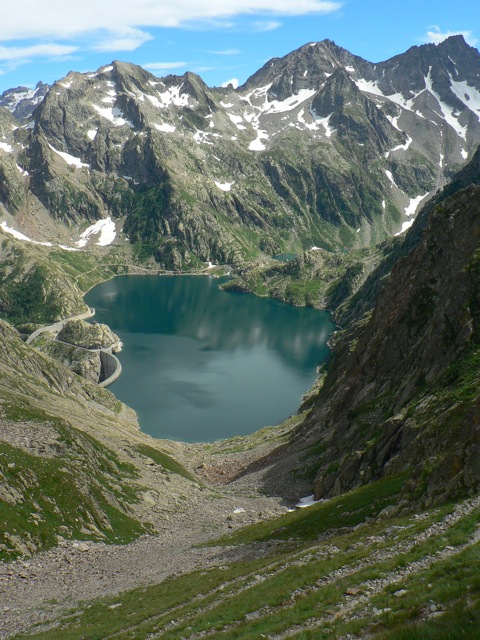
(89, 335)
(402, 389)
(81, 361)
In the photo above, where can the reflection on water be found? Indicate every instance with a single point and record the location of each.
(202, 364)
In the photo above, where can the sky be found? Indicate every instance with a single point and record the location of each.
(221, 40)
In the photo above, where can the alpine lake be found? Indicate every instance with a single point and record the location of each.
(201, 364)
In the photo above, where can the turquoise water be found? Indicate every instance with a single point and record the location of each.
(285, 257)
(200, 364)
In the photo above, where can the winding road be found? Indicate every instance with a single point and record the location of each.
(110, 363)
(56, 327)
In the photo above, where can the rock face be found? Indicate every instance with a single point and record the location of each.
(197, 174)
(21, 101)
(402, 389)
(81, 361)
(89, 335)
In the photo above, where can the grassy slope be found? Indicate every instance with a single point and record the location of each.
(315, 278)
(42, 284)
(85, 495)
(59, 431)
(308, 581)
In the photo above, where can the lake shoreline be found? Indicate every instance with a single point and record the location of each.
(196, 383)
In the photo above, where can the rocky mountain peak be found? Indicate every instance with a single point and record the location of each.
(289, 149)
(306, 68)
(21, 101)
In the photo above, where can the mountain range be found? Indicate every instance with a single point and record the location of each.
(318, 148)
(371, 174)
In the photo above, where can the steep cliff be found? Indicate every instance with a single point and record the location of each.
(401, 392)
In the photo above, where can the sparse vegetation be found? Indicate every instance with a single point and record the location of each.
(165, 461)
(389, 577)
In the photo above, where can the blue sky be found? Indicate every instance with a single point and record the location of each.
(220, 40)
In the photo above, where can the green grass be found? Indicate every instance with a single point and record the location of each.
(304, 584)
(347, 510)
(453, 586)
(164, 460)
(460, 622)
(73, 489)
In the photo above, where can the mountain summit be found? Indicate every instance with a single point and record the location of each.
(317, 148)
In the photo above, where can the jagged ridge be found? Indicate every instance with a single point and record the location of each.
(197, 174)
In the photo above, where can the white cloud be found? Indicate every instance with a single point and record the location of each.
(266, 25)
(435, 35)
(163, 66)
(51, 50)
(225, 52)
(234, 82)
(68, 19)
(125, 40)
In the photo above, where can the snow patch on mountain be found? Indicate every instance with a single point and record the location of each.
(410, 211)
(324, 122)
(236, 120)
(224, 186)
(402, 147)
(203, 137)
(165, 127)
(307, 501)
(71, 160)
(110, 97)
(467, 94)
(24, 173)
(173, 96)
(257, 144)
(104, 228)
(6, 147)
(114, 115)
(390, 177)
(405, 103)
(369, 87)
(313, 126)
(394, 121)
(412, 206)
(260, 92)
(20, 236)
(154, 100)
(406, 225)
(447, 113)
(282, 106)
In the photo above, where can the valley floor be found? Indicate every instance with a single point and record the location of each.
(44, 587)
(326, 571)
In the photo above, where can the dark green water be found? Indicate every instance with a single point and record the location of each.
(201, 364)
(285, 257)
